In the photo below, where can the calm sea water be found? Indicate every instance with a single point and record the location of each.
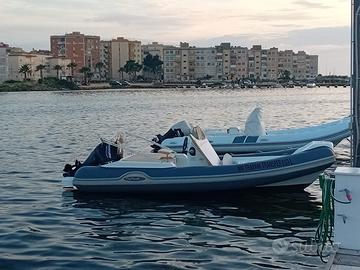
(43, 228)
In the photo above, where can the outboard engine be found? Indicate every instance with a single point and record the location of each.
(102, 154)
(180, 129)
(172, 133)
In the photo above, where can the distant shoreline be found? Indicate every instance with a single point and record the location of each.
(98, 88)
(30, 86)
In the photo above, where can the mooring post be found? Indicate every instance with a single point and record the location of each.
(355, 83)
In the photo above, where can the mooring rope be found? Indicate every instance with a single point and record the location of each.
(325, 229)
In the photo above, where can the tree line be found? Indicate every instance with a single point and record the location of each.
(151, 65)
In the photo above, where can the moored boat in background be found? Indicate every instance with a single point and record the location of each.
(254, 138)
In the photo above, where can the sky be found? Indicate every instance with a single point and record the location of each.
(317, 26)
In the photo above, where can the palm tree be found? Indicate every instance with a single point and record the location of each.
(89, 75)
(40, 68)
(132, 67)
(58, 68)
(72, 65)
(122, 70)
(153, 64)
(25, 69)
(85, 71)
(99, 67)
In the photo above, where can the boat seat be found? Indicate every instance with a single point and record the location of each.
(233, 131)
(227, 159)
(181, 160)
(168, 155)
(203, 147)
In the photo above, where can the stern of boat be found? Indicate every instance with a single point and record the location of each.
(68, 183)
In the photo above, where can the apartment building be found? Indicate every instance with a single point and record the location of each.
(203, 63)
(238, 62)
(117, 52)
(258, 63)
(4, 62)
(51, 62)
(223, 61)
(154, 48)
(226, 62)
(18, 58)
(286, 62)
(84, 50)
(119, 56)
(312, 68)
(135, 52)
(273, 64)
(299, 66)
(172, 64)
(105, 58)
(187, 63)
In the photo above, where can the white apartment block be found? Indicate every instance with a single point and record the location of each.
(187, 63)
(4, 62)
(17, 59)
(154, 49)
(202, 63)
(225, 62)
(172, 64)
(51, 62)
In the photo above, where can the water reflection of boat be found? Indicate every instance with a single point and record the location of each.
(200, 169)
(193, 230)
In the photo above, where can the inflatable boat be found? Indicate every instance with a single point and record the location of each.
(199, 169)
(254, 138)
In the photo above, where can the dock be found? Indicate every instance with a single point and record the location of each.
(344, 259)
(346, 256)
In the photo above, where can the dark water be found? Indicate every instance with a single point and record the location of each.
(43, 228)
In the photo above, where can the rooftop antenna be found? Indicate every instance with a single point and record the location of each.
(355, 83)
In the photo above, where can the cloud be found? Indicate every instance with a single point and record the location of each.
(140, 20)
(308, 4)
(286, 25)
(294, 38)
(332, 44)
(280, 23)
(278, 16)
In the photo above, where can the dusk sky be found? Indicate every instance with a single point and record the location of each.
(317, 26)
